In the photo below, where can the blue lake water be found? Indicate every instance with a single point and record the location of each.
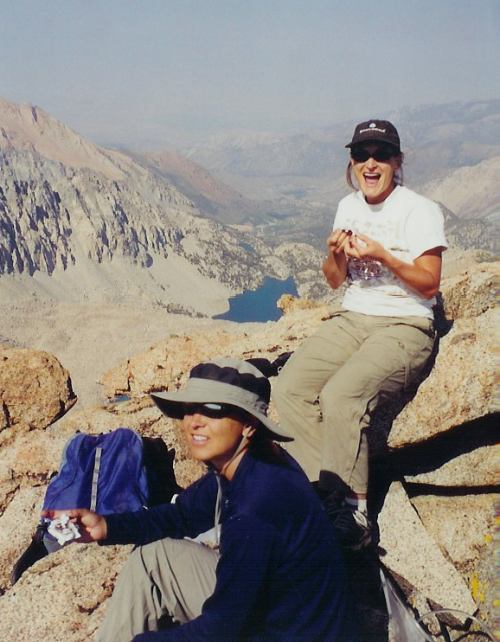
(260, 304)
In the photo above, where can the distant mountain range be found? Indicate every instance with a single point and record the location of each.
(211, 196)
(436, 139)
(79, 221)
(452, 154)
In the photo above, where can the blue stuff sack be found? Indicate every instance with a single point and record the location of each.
(113, 472)
(102, 472)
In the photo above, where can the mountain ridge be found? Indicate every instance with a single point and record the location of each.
(452, 155)
(59, 211)
(29, 127)
(436, 139)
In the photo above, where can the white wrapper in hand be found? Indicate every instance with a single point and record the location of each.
(63, 530)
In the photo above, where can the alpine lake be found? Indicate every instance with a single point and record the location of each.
(259, 305)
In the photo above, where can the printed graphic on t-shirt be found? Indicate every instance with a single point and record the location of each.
(368, 269)
(364, 269)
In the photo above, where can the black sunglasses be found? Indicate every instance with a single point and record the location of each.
(380, 154)
(212, 410)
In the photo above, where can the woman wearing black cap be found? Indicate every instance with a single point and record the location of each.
(386, 244)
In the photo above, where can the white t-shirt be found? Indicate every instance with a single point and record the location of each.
(407, 225)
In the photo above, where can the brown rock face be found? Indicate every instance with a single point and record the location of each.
(413, 555)
(460, 388)
(471, 293)
(167, 364)
(35, 389)
(434, 485)
(288, 303)
(63, 596)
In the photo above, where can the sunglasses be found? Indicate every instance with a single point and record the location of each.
(380, 154)
(212, 410)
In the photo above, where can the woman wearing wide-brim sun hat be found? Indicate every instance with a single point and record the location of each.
(386, 244)
(246, 552)
(230, 384)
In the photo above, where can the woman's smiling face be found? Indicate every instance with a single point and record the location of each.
(212, 438)
(374, 177)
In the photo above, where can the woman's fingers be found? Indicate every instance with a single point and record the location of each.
(52, 513)
(93, 527)
(337, 240)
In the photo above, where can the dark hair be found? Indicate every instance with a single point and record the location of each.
(267, 450)
(262, 434)
(398, 174)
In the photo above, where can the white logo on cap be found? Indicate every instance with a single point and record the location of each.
(372, 128)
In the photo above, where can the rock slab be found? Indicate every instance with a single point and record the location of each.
(35, 389)
(413, 555)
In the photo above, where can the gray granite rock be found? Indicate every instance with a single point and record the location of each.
(62, 596)
(471, 293)
(413, 555)
(460, 387)
(476, 468)
(463, 526)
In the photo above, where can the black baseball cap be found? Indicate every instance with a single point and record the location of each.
(378, 131)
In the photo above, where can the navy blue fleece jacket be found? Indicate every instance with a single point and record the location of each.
(280, 576)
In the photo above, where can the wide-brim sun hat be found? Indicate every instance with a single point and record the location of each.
(376, 131)
(225, 381)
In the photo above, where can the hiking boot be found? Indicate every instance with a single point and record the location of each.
(331, 500)
(352, 528)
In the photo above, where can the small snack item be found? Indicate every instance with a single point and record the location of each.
(360, 242)
(63, 529)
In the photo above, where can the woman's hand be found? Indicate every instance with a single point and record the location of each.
(335, 264)
(337, 240)
(423, 275)
(360, 246)
(93, 527)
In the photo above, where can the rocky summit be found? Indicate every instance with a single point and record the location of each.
(433, 485)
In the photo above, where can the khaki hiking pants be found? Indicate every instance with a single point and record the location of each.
(331, 385)
(168, 578)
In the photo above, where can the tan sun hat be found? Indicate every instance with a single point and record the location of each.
(226, 381)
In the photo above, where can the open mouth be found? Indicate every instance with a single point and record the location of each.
(371, 178)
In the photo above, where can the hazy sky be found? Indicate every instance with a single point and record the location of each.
(138, 70)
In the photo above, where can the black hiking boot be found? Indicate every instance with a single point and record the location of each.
(353, 529)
